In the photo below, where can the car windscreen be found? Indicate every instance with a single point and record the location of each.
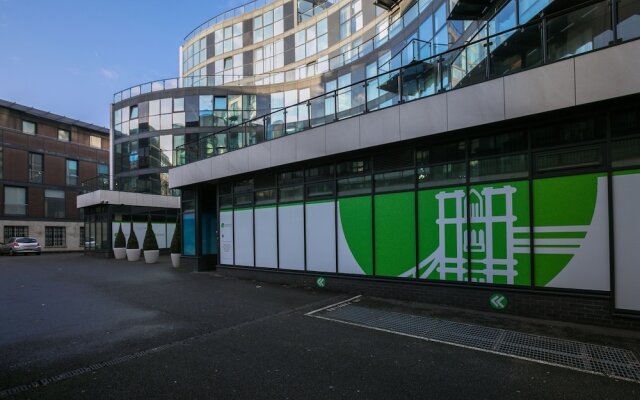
(26, 240)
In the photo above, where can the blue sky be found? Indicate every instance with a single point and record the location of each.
(70, 56)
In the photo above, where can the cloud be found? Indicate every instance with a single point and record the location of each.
(109, 73)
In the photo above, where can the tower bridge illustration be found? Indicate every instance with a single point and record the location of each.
(493, 241)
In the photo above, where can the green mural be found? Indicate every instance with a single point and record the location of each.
(498, 239)
(395, 234)
(563, 211)
(357, 225)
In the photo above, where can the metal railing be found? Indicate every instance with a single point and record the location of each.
(291, 75)
(223, 16)
(98, 182)
(526, 46)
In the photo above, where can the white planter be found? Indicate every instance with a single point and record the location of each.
(133, 254)
(151, 256)
(120, 253)
(175, 260)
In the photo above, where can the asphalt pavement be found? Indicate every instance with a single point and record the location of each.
(75, 327)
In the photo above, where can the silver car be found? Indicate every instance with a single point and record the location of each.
(21, 245)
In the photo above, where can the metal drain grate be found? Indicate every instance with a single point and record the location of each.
(602, 360)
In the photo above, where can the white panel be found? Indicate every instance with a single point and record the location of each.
(266, 239)
(226, 237)
(589, 268)
(140, 228)
(243, 242)
(321, 237)
(291, 236)
(626, 223)
(161, 234)
(347, 263)
(171, 229)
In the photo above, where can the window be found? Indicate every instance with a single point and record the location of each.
(96, 142)
(103, 169)
(55, 236)
(351, 19)
(227, 39)
(54, 204)
(81, 243)
(268, 25)
(194, 54)
(72, 173)
(15, 231)
(29, 127)
(64, 135)
(36, 168)
(15, 200)
(312, 40)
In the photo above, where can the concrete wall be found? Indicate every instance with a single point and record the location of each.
(592, 77)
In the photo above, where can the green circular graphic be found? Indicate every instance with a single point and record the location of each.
(498, 301)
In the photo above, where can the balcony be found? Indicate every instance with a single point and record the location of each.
(490, 60)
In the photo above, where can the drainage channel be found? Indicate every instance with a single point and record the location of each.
(601, 360)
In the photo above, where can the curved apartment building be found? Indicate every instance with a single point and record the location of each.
(435, 150)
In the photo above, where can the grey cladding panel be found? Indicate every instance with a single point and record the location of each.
(289, 53)
(333, 22)
(247, 28)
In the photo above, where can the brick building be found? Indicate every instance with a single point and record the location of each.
(44, 158)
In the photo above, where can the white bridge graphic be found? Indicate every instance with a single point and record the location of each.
(450, 260)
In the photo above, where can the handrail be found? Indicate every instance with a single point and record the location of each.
(441, 67)
(335, 62)
(225, 15)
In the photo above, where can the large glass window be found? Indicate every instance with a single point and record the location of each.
(29, 127)
(72, 173)
(628, 19)
(15, 200)
(54, 204)
(351, 19)
(195, 54)
(36, 167)
(268, 25)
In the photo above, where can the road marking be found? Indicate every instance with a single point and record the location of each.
(599, 360)
(340, 303)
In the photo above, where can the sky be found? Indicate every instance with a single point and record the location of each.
(69, 57)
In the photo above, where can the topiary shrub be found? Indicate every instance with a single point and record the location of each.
(150, 242)
(176, 241)
(120, 241)
(132, 242)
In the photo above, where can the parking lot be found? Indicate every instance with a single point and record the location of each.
(77, 327)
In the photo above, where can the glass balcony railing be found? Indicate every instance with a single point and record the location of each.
(234, 12)
(99, 182)
(539, 42)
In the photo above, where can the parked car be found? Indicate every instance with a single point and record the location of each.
(21, 245)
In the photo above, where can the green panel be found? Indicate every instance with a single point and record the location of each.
(356, 216)
(498, 212)
(564, 206)
(441, 228)
(395, 234)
